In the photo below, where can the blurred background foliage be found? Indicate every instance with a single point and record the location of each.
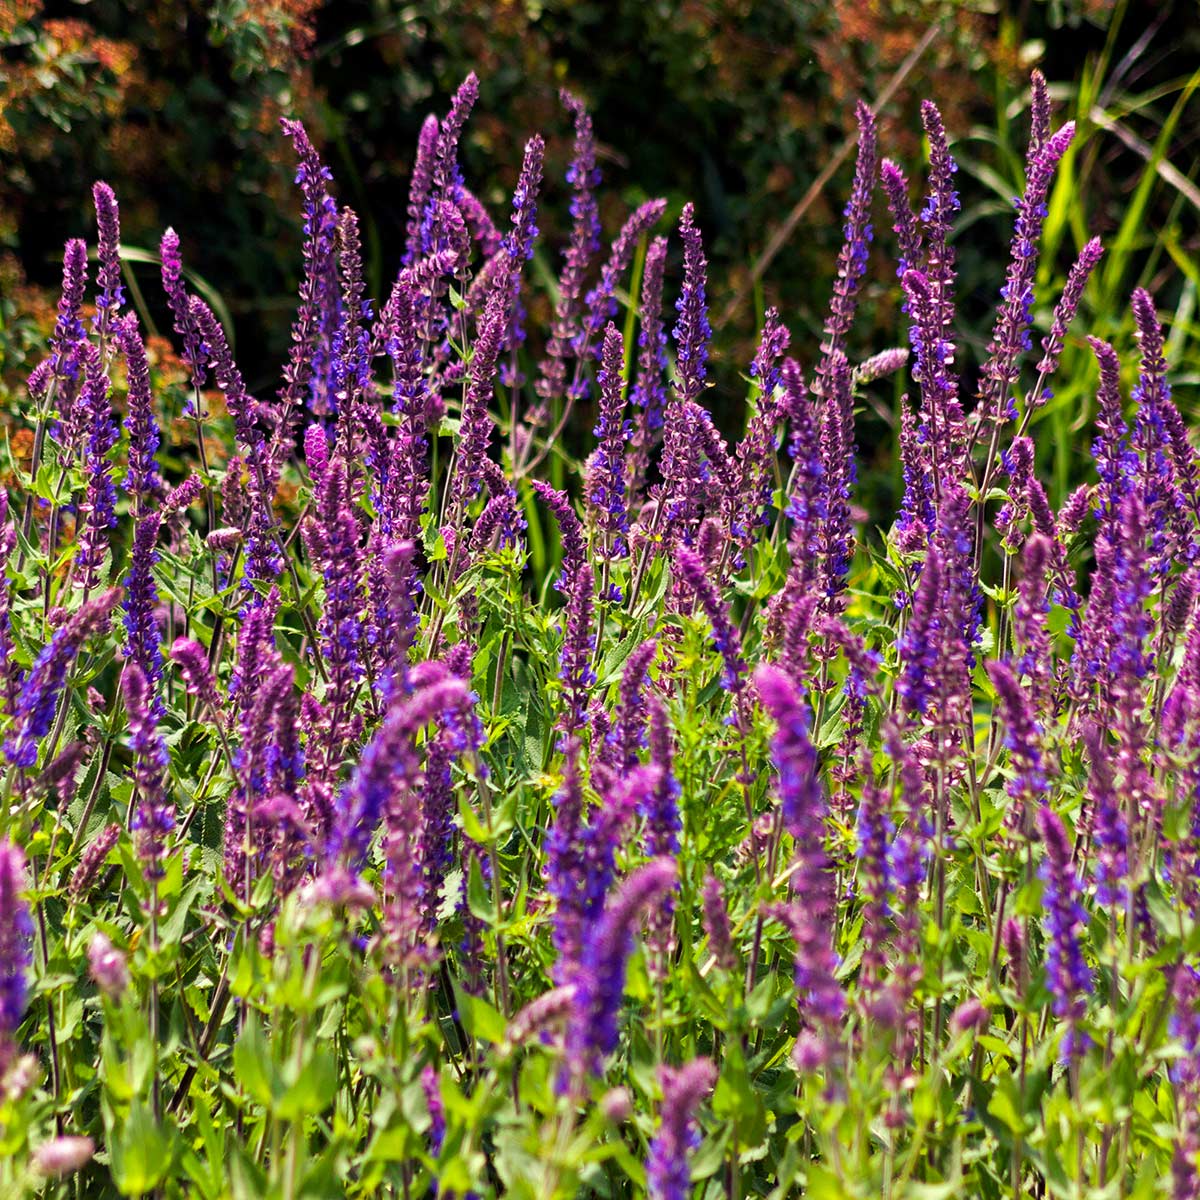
(735, 103)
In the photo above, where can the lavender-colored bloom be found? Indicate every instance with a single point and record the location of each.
(873, 832)
(692, 331)
(629, 730)
(606, 467)
(684, 1090)
(1030, 634)
(476, 428)
(550, 1008)
(600, 304)
(107, 966)
(1010, 335)
(479, 221)
(801, 798)
(756, 451)
(904, 220)
(1064, 312)
(715, 918)
(648, 395)
(192, 660)
(880, 366)
(690, 568)
(518, 242)
(154, 817)
(661, 803)
(388, 764)
(195, 354)
(419, 187)
(95, 855)
(1039, 117)
(919, 645)
(63, 1156)
(1023, 739)
(579, 643)
(99, 506)
(445, 174)
(564, 862)
(835, 533)
(238, 402)
(852, 259)
(320, 223)
(1150, 437)
(16, 932)
(584, 242)
(1115, 460)
(108, 277)
(143, 646)
(405, 485)
(1067, 974)
(601, 984)
(42, 687)
(1110, 832)
(570, 532)
(69, 334)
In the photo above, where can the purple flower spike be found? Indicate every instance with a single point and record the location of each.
(419, 186)
(154, 817)
(684, 1090)
(649, 395)
(692, 331)
(40, 692)
(192, 660)
(69, 335)
(1010, 335)
(1067, 975)
(570, 532)
(195, 353)
(600, 303)
(142, 478)
(16, 934)
(601, 985)
(852, 260)
(576, 673)
(108, 277)
(801, 799)
(725, 636)
(99, 507)
(606, 468)
(143, 644)
(1064, 312)
(584, 242)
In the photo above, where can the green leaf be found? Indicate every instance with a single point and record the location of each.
(140, 1153)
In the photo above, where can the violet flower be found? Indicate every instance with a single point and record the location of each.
(38, 698)
(142, 479)
(1067, 974)
(606, 467)
(584, 242)
(715, 919)
(629, 730)
(649, 395)
(592, 1036)
(1014, 317)
(801, 798)
(16, 935)
(684, 1089)
(576, 673)
(195, 353)
(600, 304)
(99, 507)
(420, 183)
(852, 259)
(1064, 313)
(154, 816)
(690, 568)
(1110, 832)
(108, 277)
(68, 336)
(143, 644)
(692, 331)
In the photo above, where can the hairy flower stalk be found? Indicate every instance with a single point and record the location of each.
(692, 331)
(725, 636)
(108, 277)
(98, 510)
(606, 467)
(420, 184)
(142, 478)
(154, 816)
(852, 260)
(37, 701)
(648, 396)
(1067, 975)
(576, 673)
(1011, 333)
(16, 933)
(143, 644)
(195, 353)
(684, 1090)
(582, 247)
(592, 1035)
